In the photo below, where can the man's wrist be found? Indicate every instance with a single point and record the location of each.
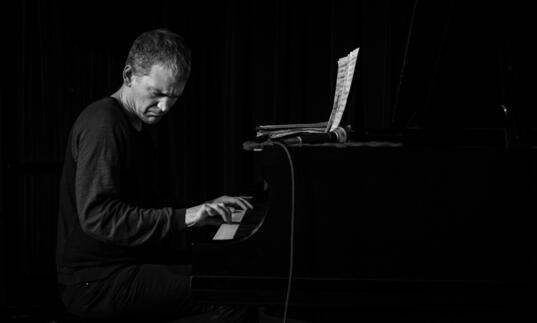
(191, 216)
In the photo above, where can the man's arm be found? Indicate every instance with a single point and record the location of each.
(101, 211)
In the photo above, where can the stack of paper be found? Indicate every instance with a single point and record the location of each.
(283, 130)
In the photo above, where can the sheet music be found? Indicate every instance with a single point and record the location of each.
(346, 66)
(345, 73)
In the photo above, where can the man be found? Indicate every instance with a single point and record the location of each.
(117, 243)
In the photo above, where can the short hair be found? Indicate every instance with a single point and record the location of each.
(160, 46)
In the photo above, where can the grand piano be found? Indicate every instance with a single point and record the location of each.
(382, 226)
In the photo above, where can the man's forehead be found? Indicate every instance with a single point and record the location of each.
(164, 80)
(172, 90)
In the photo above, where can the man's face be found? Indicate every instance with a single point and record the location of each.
(153, 95)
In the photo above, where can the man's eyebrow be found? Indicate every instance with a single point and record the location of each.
(159, 92)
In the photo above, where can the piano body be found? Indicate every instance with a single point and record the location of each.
(431, 225)
(382, 228)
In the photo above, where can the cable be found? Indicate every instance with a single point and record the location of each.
(292, 229)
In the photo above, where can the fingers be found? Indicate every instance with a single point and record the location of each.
(243, 202)
(219, 209)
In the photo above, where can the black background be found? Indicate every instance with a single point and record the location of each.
(447, 65)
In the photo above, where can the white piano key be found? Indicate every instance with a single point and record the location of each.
(226, 232)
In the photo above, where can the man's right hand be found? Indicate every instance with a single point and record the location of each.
(207, 214)
(215, 212)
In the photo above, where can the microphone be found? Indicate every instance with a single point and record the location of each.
(340, 134)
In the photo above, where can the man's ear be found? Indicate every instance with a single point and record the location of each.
(128, 73)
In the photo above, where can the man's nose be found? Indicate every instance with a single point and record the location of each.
(165, 104)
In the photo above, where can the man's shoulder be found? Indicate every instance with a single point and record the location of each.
(102, 113)
(99, 122)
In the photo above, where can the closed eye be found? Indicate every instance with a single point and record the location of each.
(160, 94)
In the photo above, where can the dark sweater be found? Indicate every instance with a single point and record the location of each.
(108, 204)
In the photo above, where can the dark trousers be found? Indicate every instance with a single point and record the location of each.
(147, 293)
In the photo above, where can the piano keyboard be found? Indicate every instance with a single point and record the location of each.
(237, 215)
(227, 231)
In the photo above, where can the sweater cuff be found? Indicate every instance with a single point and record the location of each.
(179, 219)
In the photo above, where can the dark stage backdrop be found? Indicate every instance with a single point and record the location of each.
(254, 62)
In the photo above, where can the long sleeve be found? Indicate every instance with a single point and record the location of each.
(100, 152)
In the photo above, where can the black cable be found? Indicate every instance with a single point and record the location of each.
(292, 231)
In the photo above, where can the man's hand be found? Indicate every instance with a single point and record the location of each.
(217, 211)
